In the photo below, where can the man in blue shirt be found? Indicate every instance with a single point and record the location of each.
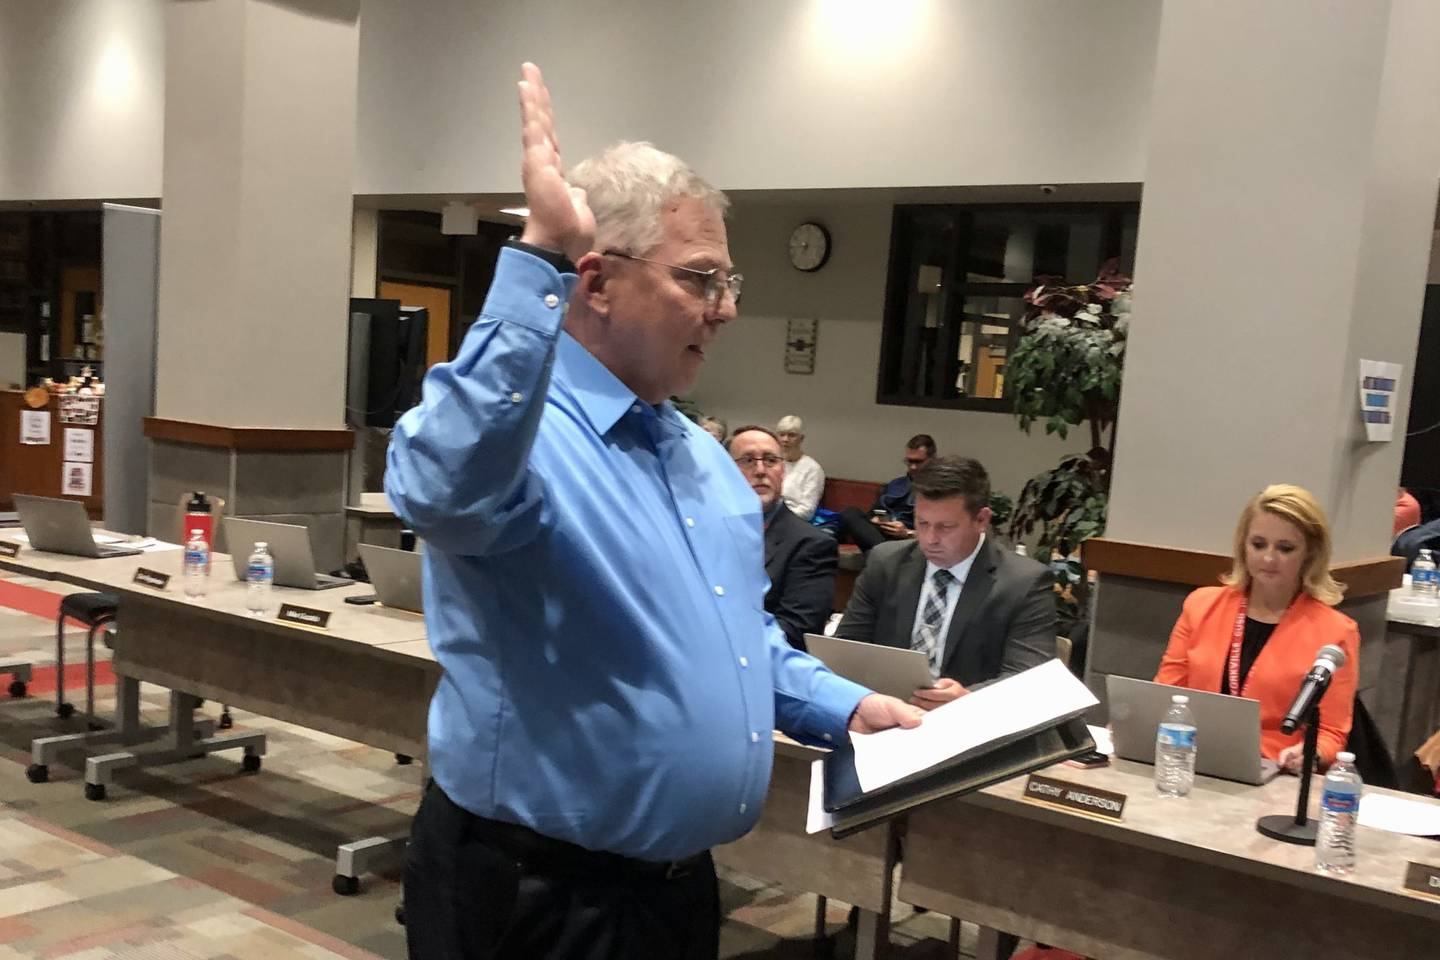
(892, 517)
(593, 585)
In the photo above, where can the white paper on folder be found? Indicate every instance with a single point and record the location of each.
(1030, 700)
(1418, 818)
(816, 819)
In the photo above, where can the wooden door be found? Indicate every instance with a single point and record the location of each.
(434, 299)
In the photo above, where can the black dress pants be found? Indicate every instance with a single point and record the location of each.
(477, 889)
(861, 530)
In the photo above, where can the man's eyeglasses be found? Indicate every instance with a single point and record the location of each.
(714, 282)
(770, 460)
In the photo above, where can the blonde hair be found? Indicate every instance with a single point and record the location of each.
(629, 184)
(790, 424)
(1298, 506)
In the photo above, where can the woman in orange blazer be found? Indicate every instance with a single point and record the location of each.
(1282, 588)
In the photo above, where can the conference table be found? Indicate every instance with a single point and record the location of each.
(367, 676)
(1177, 878)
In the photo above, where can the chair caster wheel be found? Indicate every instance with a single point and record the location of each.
(17, 689)
(404, 759)
(226, 721)
(37, 773)
(400, 914)
(94, 791)
(345, 886)
(250, 763)
(65, 711)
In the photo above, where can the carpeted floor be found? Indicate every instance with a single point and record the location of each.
(198, 861)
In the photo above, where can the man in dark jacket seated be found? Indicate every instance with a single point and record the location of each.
(892, 516)
(800, 560)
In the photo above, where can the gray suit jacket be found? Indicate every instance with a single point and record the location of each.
(1004, 621)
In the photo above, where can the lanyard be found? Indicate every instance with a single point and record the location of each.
(1234, 665)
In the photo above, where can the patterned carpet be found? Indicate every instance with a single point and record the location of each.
(198, 861)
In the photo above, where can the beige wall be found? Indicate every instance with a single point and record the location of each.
(81, 98)
(759, 94)
(852, 436)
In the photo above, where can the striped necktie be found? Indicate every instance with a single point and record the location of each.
(932, 617)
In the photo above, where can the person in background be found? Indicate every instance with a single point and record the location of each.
(800, 559)
(716, 427)
(804, 480)
(979, 611)
(1407, 512)
(892, 516)
(1257, 635)
(593, 582)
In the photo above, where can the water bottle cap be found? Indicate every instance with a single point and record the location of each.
(1345, 756)
(261, 545)
(197, 532)
(1179, 698)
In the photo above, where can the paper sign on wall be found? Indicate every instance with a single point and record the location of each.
(81, 410)
(75, 479)
(80, 445)
(35, 427)
(1378, 383)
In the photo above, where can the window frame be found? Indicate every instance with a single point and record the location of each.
(903, 235)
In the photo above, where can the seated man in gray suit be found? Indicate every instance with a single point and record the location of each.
(978, 610)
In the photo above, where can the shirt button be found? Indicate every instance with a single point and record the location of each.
(719, 591)
(744, 661)
(828, 737)
(516, 397)
(744, 807)
(551, 300)
(754, 737)
(635, 409)
(689, 521)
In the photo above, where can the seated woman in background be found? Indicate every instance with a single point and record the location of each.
(1258, 635)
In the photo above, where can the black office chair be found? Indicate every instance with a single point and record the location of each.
(1372, 757)
(96, 611)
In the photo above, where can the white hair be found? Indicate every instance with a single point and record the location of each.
(629, 185)
(790, 424)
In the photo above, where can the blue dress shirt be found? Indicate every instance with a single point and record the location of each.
(594, 581)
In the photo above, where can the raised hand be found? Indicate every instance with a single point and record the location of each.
(560, 217)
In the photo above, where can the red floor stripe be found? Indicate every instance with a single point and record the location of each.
(43, 679)
(32, 600)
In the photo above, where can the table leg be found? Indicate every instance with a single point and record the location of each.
(987, 945)
(364, 856)
(183, 740)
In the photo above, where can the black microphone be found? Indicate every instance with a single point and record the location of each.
(1313, 687)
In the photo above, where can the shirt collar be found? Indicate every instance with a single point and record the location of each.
(961, 570)
(601, 396)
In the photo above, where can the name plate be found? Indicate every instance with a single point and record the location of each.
(152, 578)
(1074, 797)
(304, 616)
(9, 548)
(1424, 879)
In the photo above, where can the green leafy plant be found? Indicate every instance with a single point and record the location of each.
(1065, 372)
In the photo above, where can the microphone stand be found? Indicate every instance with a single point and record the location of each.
(1299, 829)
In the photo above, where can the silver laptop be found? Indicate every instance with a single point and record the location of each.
(290, 546)
(1228, 738)
(63, 526)
(896, 671)
(395, 575)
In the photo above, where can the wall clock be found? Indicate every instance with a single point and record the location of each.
(809, 247)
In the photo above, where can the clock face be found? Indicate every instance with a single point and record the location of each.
(809, 247)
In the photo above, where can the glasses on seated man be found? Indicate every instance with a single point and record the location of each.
(769, 459)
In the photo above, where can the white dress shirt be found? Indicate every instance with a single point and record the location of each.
(960, 572)
(804, 483)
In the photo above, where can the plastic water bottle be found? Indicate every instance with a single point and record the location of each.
(1424, 578)
(1339, 810)
(197, 565)
(1175, 749)
(260, 575)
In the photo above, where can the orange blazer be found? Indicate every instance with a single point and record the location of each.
(1200, 646)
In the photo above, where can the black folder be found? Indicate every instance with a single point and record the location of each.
(990, 763)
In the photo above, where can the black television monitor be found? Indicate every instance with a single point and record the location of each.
(387, 361)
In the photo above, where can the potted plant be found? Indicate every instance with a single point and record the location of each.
(1065, 372)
